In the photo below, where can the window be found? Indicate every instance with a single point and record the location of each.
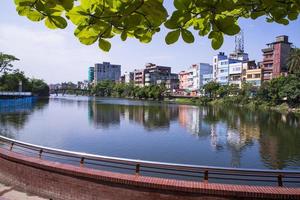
(257, 76)
(249, 75)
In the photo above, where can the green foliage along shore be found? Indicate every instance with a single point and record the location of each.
(108, 88)
(282, 93)
(10, 82)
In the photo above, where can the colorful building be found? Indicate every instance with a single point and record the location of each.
(183, 80)
(192, 79)
(252, 73)
(216, 59)
(235, 70)
(275, 57)
(155, 75)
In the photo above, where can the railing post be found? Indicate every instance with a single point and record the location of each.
(137, 169)
(11, 146)
(206, 176)
(81, 161)
(40, 153)
(280, 181)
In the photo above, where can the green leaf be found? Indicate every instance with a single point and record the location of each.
(172, 37)
(255, 15)
(78, 15)
(228, 25)
(124, 36)
(67, 4)
(54, 22)
(171, 24)
(104, 45)
(217, 39)
(23, 10)
(283, 21)
(187, 36)
(182, 4)
(293, 16)
(146, 38)
(35, 16)
(88, 40)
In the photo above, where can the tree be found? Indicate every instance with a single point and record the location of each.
(97, 20)
(223, 91)
(5, 62)
(10, 81)
(293, 61)
(211, 89)
(39, 87)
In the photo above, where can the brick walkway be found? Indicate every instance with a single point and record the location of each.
(9, 193)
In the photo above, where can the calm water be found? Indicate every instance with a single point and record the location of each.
(220, 136)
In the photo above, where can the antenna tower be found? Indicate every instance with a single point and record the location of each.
(239, 42)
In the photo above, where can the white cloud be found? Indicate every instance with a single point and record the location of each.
(52, 55)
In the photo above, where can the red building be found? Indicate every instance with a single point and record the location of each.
(274, 58)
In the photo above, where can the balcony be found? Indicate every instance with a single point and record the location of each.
(268, 49)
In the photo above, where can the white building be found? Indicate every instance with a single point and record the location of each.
(129, 77)
(235, 73)
(196, 73)
(107, 71)
(216, 59)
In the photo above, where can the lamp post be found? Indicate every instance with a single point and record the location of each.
(20, 86)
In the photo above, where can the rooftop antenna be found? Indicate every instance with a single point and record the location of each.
(239, 42)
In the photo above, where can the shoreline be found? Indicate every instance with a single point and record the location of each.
(197, 101)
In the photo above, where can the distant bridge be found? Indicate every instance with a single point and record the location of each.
(75, 91)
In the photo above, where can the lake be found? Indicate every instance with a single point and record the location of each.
(157, 131)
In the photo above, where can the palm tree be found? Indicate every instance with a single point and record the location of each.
(293, 61)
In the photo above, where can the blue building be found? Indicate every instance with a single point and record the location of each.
(91, 74)
(223, 70)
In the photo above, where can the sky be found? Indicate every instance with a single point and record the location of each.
(57, 55)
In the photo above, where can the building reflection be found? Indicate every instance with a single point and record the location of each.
(229, 130)
(226, 130)
(150, 117)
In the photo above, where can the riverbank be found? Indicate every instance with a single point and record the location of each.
(230, 101)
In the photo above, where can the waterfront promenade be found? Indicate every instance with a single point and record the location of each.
(10, 193)
(56, 180)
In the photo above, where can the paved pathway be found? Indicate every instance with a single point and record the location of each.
(9, 193)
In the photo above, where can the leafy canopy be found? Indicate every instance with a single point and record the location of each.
(293, 61)
(6, 62)
(100, 20)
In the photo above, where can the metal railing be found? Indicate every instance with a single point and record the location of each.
(160, 169)
(15, 94)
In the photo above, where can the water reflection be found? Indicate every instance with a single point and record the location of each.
(14, 118)
(223, 136)
(151, 117)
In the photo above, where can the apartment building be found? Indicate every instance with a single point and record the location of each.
(235, 71)
(193, 78)
(183, 80)
(274, 58)
(252, 73)
(155, 75)
(107, 71)
(216, 59)
(138, 77)
(223, 70)
(128, 77)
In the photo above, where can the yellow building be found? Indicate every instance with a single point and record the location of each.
(252, 73)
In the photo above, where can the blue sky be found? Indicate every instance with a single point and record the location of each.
(56, 55)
